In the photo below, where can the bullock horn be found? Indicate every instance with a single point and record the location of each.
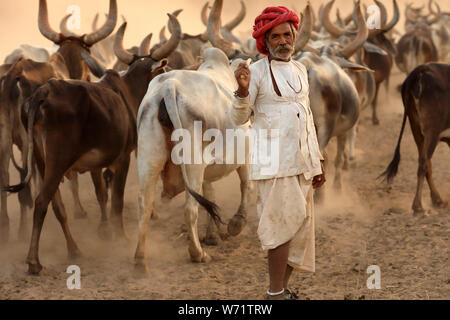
(165, 50)
(333, 29)
(361, 36)
(162, 35)
(239, 18)
(144, 48)
(95, 22)
(44, 25)
(63, 27)
(318, 22)
(176, 13)
(306, 30)
(409, 14)
(119, 50)
(437, 14)
(213, 30)
(383, 12)
(205, 13)
(395, 18)
(107, 28)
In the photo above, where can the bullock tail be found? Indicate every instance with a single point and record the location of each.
(169, 95)
(392, 169)
(33, 106)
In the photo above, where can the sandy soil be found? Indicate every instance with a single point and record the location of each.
(368, 223)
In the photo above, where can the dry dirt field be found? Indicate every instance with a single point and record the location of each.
(367, 223)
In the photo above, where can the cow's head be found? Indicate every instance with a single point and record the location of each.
(71, 46)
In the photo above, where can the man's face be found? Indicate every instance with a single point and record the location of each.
(280, 42)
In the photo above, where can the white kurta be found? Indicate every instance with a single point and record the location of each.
(284, 181)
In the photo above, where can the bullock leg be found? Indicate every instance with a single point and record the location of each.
(350, 160)
(150, 165)
(211, 237)
(5, 154)
(239, 220)
(118, 189)
(341, 140)
(104, 229)
(79, 213)
(375, 119)
(195, 175)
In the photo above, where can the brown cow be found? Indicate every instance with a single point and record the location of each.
(87, 127)
(71, 47)
(426, 98)
(21, 80)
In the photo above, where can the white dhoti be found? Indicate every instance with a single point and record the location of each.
(286, 213)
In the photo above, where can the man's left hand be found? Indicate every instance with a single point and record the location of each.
(319, 180)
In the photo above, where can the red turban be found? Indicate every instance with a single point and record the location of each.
(268, 19)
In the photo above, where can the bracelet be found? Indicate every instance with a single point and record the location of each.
(274, 293)
(236, 94)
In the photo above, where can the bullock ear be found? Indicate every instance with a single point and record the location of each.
(345, 64)
(160, 65)
(370, 47)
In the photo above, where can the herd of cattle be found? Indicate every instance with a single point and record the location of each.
(68, 113)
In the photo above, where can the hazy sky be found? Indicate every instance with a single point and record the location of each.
(18, 18)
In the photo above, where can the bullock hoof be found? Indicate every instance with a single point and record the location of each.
(80, 214)
(236, 225)
(74, 254)
(140, 270)
(206, 258)
(202, 258)
(104, 231)
(440, 204)
(34, 268)
(375, 122)
(211, 240)
(420, 212)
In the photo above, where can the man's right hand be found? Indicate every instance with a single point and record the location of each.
(243, 76)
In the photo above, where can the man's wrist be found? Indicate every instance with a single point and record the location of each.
(242, 93)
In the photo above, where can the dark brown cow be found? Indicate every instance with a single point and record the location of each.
(426, 98)
(21, 80)
(71, 48)
(87, 127)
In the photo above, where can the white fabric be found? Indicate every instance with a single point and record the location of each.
(288, 120)
(285, 211)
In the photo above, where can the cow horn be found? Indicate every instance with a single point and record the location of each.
(44, 25)
(395, 18)
(165, 50)
(339, 20)
(63, 27)
(144, 48)
(239, 18)
(437, 15)
(317, 23)
(107, 28)
(96, 67)
(361, 36)
(119, 50)
(213, 30)
(176, 13)
(95, 22)
(162, 35)
(306, 30)
(333, 29)
(205, 13)
(383, 12)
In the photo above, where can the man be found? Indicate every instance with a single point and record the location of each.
(276, 90)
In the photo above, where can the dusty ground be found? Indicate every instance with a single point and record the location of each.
(368, 223)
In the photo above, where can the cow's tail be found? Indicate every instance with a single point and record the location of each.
(169, 101)
(33, 105)
(407, 98)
